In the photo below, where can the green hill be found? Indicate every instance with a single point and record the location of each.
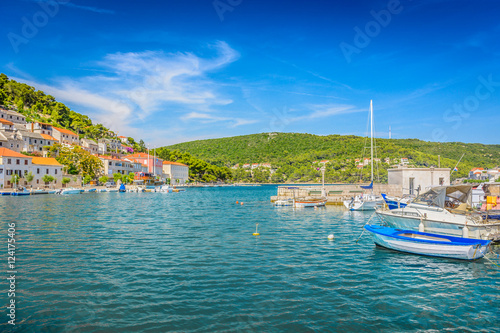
(292, 155)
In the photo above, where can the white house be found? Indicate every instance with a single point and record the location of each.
(12, 162)
(65, 136)
(41, 166)
(89, 145)
(412, 179)
(177, 172)
(12, 116)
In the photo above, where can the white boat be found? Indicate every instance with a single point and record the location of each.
(71, 190)
(113, 190)
(283, 202)
(428, 244)
(302, 203)
(164, 189)
(366, 201)
(443, 210)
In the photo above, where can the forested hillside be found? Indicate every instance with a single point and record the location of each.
(292, 155)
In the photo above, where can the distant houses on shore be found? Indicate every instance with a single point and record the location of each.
(35, 138)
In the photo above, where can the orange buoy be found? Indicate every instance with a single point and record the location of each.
(242, 203)
(237, 202)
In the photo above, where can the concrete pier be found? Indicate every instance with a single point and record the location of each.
(335, 194)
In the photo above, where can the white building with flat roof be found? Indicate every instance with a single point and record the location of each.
(418, 180)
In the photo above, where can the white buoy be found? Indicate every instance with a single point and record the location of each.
(465, 232)
(331, 237)
(421, 227)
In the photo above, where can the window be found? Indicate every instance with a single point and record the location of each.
(38, 181)
(37, 171)
(0, 144)
(25, 172)
(25, 162)
(412, 185)
(47, 171)
(35, 141)
(441, 181)
(9, 172)
(1, 171)
(11, 145)
(8, 161)
(18, 161)
(55, 172)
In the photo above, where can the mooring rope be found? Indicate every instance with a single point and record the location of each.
(364, 227)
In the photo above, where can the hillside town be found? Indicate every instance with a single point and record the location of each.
(25, 149)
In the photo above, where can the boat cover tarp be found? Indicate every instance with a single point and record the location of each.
(369, 187)
(437, 196)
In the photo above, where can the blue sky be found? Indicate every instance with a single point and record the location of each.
(175, 71)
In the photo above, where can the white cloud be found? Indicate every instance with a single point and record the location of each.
(326, 110)
(132, 86)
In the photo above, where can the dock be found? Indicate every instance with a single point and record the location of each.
(335, 194)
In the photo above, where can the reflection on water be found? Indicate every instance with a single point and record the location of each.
(189, 262)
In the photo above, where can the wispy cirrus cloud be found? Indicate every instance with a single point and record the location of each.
(313, 112)
(129, 87)
(74, 5)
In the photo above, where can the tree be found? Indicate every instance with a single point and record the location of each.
(103, 179)
(47, 179)
(14, 179)
(29, 177)
(66, 180)
(125, 179)
(131, 177)
(87, 179)
(117, 176)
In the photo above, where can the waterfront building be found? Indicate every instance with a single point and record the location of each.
(414, 180)
(41, 166)
(109, 145)
(154, 165)
(123, 139)
(34, 142)
(13, 162)
(177, 172)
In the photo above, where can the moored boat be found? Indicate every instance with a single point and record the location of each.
(443, 210)
(393, 203)
(302, 203)
(283, 202)
(428, 244)
(71, 190)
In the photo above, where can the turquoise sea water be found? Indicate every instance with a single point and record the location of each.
(188, 262)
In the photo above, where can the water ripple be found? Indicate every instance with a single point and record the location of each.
(187, 262)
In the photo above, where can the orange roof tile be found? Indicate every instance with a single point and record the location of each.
(45, 161)
(173, 163)
(121, 136)
(65, 131)
(48, 137)
(10, 153)
(6, 122)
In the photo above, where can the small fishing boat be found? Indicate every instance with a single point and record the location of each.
(122, 189)
(113, 190)
(428, 244)
(301, 203)
(71, 190)
(90, 190)
(6, 193)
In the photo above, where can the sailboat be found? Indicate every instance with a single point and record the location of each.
(366, 201)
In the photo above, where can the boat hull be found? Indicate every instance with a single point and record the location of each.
(428, 244)
(310, 203)
(362, 205)
(71, 191)
(407, 219)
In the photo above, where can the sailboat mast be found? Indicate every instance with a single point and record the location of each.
(371, 134)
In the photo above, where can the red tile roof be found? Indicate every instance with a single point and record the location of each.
(48, 137)
(45, 161)
(6, 122)
(65, 131)
(173, 163)
(10, 153)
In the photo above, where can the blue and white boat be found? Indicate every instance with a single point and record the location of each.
(71, 191)
(428, 244)
(394, 203)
